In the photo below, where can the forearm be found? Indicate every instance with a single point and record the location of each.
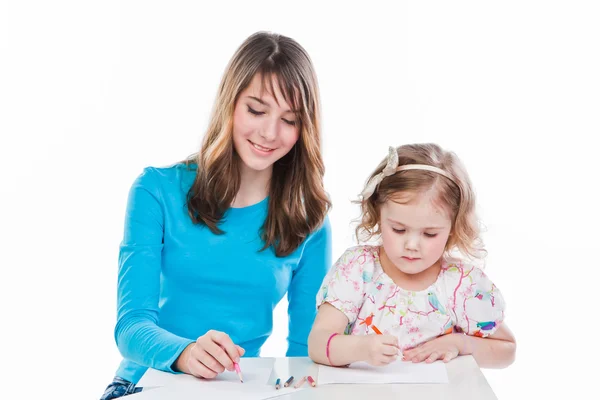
(343, 349)
(488, 352)
(180, 364)
(142, 341)
(304, 286)
(300, 322)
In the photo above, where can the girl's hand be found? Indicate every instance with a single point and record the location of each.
(379, 350)
(441, 348)
(213, 353)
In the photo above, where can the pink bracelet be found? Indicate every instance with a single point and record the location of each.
(327, 348)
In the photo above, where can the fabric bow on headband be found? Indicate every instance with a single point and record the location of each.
(391, 168)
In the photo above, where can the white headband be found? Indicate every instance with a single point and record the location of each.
(392, 167)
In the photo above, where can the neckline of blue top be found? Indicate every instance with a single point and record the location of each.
(264, 202)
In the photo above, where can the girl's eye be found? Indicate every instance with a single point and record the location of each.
(287, 121)
(252, 111)
(431, 235)
(398, 230)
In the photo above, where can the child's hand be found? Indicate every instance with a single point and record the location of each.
(441, 348)
(379, 350)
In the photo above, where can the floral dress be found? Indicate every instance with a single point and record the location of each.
(462, 299)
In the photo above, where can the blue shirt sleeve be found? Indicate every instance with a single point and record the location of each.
(302, 293)
(137, 334)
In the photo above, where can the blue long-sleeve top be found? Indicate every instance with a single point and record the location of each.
(177, 279)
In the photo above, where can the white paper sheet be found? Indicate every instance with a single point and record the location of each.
(258, 384)
(397, 372)
(251, 373)
(213, 390)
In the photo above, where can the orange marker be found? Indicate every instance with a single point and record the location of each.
(377, 331)
(311, 381)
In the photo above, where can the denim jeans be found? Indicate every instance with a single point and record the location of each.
(119, 387)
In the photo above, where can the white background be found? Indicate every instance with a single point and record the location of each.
(92, 92)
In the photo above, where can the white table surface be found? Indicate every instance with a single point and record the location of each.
(466, 381)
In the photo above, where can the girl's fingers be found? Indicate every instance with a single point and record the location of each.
(449, 356)
(432, 357)
(389, 350)
(224, 341)
(219, 355)
(389, 340)
(408, 354)
(210, 363)
(388, 359)
(199, 370)
(420, 356)
(240, 350)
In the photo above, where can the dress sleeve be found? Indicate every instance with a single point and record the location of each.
(478, 304)
(343, 287)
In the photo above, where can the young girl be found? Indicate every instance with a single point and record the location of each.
(213, 244)
(409, 296)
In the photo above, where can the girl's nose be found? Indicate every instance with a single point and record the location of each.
(411, 243)
(269, 130)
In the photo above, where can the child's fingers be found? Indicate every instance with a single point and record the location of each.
(433, 357)
(390, 350)
(449, 356)
(385, 360)
(421, 356)
(389, 339)
(410, 352)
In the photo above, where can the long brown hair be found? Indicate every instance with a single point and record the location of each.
(456, 195)
(298, 202)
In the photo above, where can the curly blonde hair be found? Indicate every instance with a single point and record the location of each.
(455, 196)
